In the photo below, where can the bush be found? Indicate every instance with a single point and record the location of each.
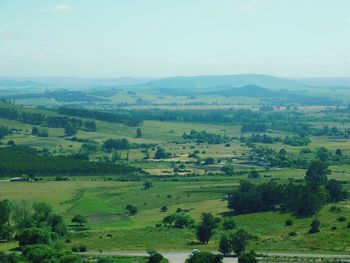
(204, 257)
(34, 236)
(249, 257)
(155, 258)
(341, 219)
(314, 227)
(292, 234)
(288, 222)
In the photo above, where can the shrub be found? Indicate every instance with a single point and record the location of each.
(341, 219)
(249, 257)
(292, 234)
(288, 222)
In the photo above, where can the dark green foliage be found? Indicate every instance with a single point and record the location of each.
(288, 222)
(228, 170)
(209, 161)
(204, 137)
(105, 260)
(239, 241)
(225, 246)
(4, 131)
(317, 172)
(79, 219)
(254, 174)
(314, 227)
(341, 219)
(178, 220)
(323, 154)
(257, 138)
(10, 258)
(147, 185)
(116, 144)
(228, 224)
(42, 253)
(138, 133)
(70, 129)
(296, 140)
(161, 154)
(35, 131)
(90, 125)
(155, 258)
(249, 257)
(204, 257)
(16, 161)
(205, 229)
(34, 236)
(132, 210)
(302, 200)
(4, 212)
(335, 190)
(164, 208)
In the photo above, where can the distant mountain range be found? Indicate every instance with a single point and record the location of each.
(205, 82)
(177, 83)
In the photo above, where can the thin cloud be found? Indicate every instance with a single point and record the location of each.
(63, 8)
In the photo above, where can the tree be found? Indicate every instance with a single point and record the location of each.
(178, 220)
(21, 215)
(147, 185)
(206, 228)
(35, 131)
(204, 257)
(225, 245)
(57, 224)
(138, 133)
(42, 212)
(228, 224)
(70, 129)
(323, 154)
(317, 172)
(239, 241)
(335, 190)
(161, 153)
(4, 212)
(249, 257)
(34, 236)
(164, 208)
(132, 210)
(79, 219)
(155, 258)
(314, 227)
(339, 152)
(209, 161)
(228, 170)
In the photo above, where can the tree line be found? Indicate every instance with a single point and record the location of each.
(18, 160)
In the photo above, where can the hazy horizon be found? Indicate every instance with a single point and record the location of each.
(154, 38)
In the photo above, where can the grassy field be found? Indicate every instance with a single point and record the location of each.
(103, 199)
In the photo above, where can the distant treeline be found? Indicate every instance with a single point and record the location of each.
(41, 119)
(125, 117)
(205, 137)
(18, 161)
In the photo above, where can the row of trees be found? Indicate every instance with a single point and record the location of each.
(19, 160)
(301, 199)
(204, 137)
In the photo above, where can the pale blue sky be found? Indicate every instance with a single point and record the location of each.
(112, 38)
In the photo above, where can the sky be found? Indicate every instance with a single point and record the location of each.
(158, 38)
